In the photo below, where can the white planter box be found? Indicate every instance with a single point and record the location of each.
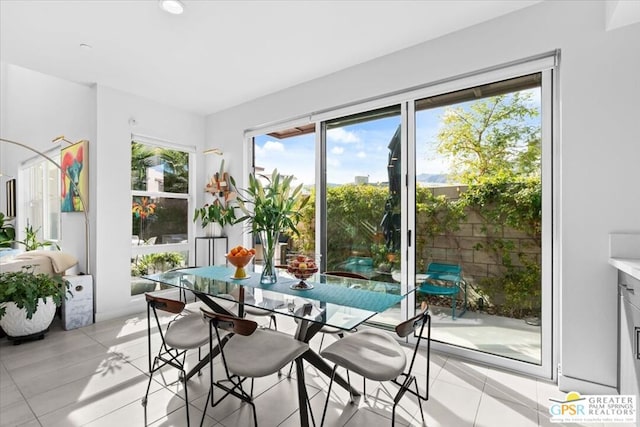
(77, 309)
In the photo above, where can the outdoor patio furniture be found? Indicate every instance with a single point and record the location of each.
(445, 279)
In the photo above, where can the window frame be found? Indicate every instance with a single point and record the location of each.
(26, 191)
(138, 250)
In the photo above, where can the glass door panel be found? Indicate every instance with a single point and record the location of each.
(363, 184)
(479, 211)
(292, 152)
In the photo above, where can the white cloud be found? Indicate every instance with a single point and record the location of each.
(337, 150)
(269, 147)
(333, 162)
(361, 154)
(341, 135)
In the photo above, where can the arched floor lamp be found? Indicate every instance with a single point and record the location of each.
(84, 205)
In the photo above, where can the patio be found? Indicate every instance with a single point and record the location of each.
(504, 336)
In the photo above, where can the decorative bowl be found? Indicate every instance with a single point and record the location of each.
(302, 267)
(239, 262)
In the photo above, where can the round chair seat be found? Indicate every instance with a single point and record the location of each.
(262, 353)
(187, 332)
(331, 330)
(371, 353)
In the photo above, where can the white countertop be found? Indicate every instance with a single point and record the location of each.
(630, 266)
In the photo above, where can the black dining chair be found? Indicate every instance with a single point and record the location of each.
(331, 330)
(186, 331)
(377, 356)
(240, 360)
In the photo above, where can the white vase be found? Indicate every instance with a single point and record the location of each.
(213, 229)
(15, 322)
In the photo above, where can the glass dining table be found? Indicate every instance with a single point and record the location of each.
(342, 303)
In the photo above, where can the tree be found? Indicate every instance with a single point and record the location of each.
(140, 161)
(495, 135)
(176, 170)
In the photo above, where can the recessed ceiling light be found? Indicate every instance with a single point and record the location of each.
(85, 46)
(174, 7)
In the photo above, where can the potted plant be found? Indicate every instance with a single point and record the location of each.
(7, 232)
(222, 210)
(28, 302)
(270, 210)
(31, 242)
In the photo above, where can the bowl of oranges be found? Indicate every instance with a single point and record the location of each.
(302, 267)
(240, 257)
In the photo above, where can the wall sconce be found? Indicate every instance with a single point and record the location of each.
(213, 151)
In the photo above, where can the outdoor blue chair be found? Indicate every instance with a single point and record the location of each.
(445, 279)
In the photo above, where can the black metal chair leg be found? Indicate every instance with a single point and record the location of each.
(204, 412)
(186, 394)
(326, 402)
(415, 382)
(146, 395)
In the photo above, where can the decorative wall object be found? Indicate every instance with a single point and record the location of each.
(74, 163)
(11, 198)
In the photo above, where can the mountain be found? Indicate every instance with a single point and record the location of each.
(431, 178)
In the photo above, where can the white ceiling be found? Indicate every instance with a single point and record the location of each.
(221, 53)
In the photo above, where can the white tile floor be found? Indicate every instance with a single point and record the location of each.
(95, 376)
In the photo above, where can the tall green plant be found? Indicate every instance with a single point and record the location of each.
(270, 210)
(272, 207)
(223, 209)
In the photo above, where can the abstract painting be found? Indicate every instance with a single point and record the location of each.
(75, 177)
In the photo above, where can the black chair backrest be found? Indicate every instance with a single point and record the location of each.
(231, 323)
(410, 325)
(165, 304)
(346, 274)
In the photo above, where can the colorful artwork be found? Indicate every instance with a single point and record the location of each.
(75, 178)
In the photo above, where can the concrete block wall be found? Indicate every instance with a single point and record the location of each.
(461, 246)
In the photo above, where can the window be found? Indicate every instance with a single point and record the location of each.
(40, 187)
(160, 211)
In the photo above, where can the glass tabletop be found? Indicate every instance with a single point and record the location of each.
(339, 302)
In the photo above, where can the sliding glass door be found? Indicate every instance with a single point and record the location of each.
(479, 210)
(455, 176)
(363, 197)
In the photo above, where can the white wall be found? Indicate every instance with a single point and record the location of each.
(35, 108)
(599, 151)
(113, 201)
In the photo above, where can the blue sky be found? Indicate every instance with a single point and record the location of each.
(356, 150)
